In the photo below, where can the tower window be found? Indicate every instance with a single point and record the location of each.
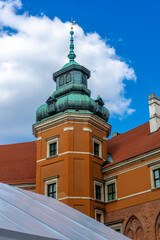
(84, 79)
(68, 78)
(51, 186)
(61, 81)
(52, 146)
(53, 149)
(51, 190)
(99, 215)
(97, 147)
(98, 192)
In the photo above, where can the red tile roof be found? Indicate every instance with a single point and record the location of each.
(18, 163)
(132, 143)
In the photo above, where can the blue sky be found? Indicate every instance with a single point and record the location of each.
(130, 28)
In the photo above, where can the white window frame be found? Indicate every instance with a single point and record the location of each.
(97, 211)
(100, 147)
(51, 181)
(98, 183)
(106, 189)
(116, 227)
(49, 142)
(152, 168)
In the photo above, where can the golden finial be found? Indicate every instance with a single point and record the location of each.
(73, 23)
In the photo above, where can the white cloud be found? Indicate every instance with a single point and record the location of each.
(31, 49)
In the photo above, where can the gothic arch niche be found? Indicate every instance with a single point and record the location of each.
(158, 227)
(134, 229)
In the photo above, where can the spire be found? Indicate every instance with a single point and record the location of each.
(71, 54)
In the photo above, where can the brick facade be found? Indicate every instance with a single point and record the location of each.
(140, 222)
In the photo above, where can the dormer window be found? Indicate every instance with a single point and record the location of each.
(84, 79)
(68, 78)
(61, 81)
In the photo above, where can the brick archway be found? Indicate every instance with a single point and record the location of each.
(158, 227)
(134, 229)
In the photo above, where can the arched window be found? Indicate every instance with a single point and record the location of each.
(158, 227)
(68, 78)
(134, 229)
(61, 81)
(84, 79)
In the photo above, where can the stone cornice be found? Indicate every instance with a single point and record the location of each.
(128, 162)
(80, 117)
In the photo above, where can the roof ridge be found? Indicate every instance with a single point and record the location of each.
(18, 143)
(124, 133)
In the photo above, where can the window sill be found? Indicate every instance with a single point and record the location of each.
(155, 188)
(52, 156)
(99, 201)
(115, 200)
(97, 157)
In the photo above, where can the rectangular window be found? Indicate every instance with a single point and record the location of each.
(98, 189)
(51, 186)
(96, 149)
(53, 149)
(156, 174)
(98, 192)
(111, 192)
(116, 226)
(52, 146)
(111, 188)
(99, 215)
(51, 190)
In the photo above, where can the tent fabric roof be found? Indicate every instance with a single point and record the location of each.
(27, 212)
(18, 163)
(137, 141)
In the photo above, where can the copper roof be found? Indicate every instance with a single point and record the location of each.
(137, 141)
(18, 163)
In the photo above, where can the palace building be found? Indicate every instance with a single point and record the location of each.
(115, 181)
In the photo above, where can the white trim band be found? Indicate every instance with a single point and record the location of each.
(84, 198)
(135, 194)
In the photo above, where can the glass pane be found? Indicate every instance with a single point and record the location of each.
(68, 78)
(61, 81)
(109, 197)
(114, 196)
(96, 149)
(113, 186)
(54, 195)
(156, 174)
(157, 183)
(54, 187)
(110, 188)
(98, 192)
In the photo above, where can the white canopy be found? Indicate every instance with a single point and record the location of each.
(27, 215)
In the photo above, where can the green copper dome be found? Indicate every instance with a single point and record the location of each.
(72, 94)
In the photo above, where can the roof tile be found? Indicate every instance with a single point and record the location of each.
(18, 163)
(137, 141)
